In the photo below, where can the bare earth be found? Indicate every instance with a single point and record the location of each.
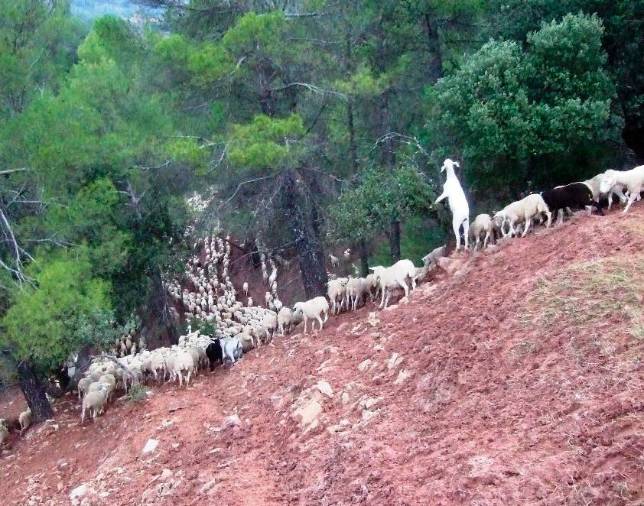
(514, 377)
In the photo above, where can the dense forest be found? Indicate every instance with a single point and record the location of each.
(293, 125)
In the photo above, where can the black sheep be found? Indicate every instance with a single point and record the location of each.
(215, 353)
(573, 195)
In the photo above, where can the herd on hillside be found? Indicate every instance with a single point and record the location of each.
(208, 293)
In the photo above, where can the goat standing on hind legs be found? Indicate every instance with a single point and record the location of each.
(455, 195)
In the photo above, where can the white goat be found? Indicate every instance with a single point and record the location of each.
(455, 195)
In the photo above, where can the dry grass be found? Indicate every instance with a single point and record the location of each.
(591, 293)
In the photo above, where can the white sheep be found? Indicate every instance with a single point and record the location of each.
(347, 253)
(25, 420)
(455, 195)
(94, 403)
(524, 210)
(335, 261)
(594, 185)
(336, 291)
(632, 180)
(313, 308)
(393, 277)
(245, 288)
(357, 290)
(482, 224)
(286, 320)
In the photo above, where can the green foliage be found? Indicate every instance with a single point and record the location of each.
(137, 393)
(66, 309)
(382, 196)
(518, 114)
(267, 143)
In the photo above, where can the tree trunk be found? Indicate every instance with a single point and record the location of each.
(364, 258)
(433, 43)
(82, 363)
(302, 213)
(34, 391)
(394, 240)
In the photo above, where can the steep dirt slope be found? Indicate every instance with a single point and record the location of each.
(513, 378)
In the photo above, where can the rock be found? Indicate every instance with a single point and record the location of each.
(402, 376)
(368, 414)
(207, 486)
(308, 414)
(364, 365)
(165, 474)
(394, 361)
(373, 319)
(150, 446)
(345, 398)
(231, 421)
(77, 494)
(324, 388)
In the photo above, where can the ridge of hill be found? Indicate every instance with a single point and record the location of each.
(513, 377)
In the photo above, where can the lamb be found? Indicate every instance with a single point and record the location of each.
(94, 403)
(313, 308)
(453, 191)
(286, 320)
(245, 288)
(335, 261)
(25, 420)
(632, 180)
(214, 353)
(393, 277)
(481, 224)
(525, 209)
(573, 195)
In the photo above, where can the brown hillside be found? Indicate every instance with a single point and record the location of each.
(516, 378)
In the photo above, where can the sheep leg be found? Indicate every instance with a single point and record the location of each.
(549, 222)
(632, 198)
(320, 322)
(528, 222)
(382, 302)
(304, 323)
(487, 238)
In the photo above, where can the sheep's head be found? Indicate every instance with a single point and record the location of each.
(498, 218)
(449, 164)
(607, 182)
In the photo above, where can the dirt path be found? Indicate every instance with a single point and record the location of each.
(497, 383)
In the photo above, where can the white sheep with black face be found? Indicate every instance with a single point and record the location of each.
(453, 192)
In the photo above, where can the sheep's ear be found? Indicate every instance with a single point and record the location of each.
(457, 164)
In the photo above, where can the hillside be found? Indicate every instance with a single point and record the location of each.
(513, 377)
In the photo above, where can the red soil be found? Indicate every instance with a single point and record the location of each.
(498, 407)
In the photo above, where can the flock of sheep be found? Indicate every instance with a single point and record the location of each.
(626, 185)
(208, 292)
